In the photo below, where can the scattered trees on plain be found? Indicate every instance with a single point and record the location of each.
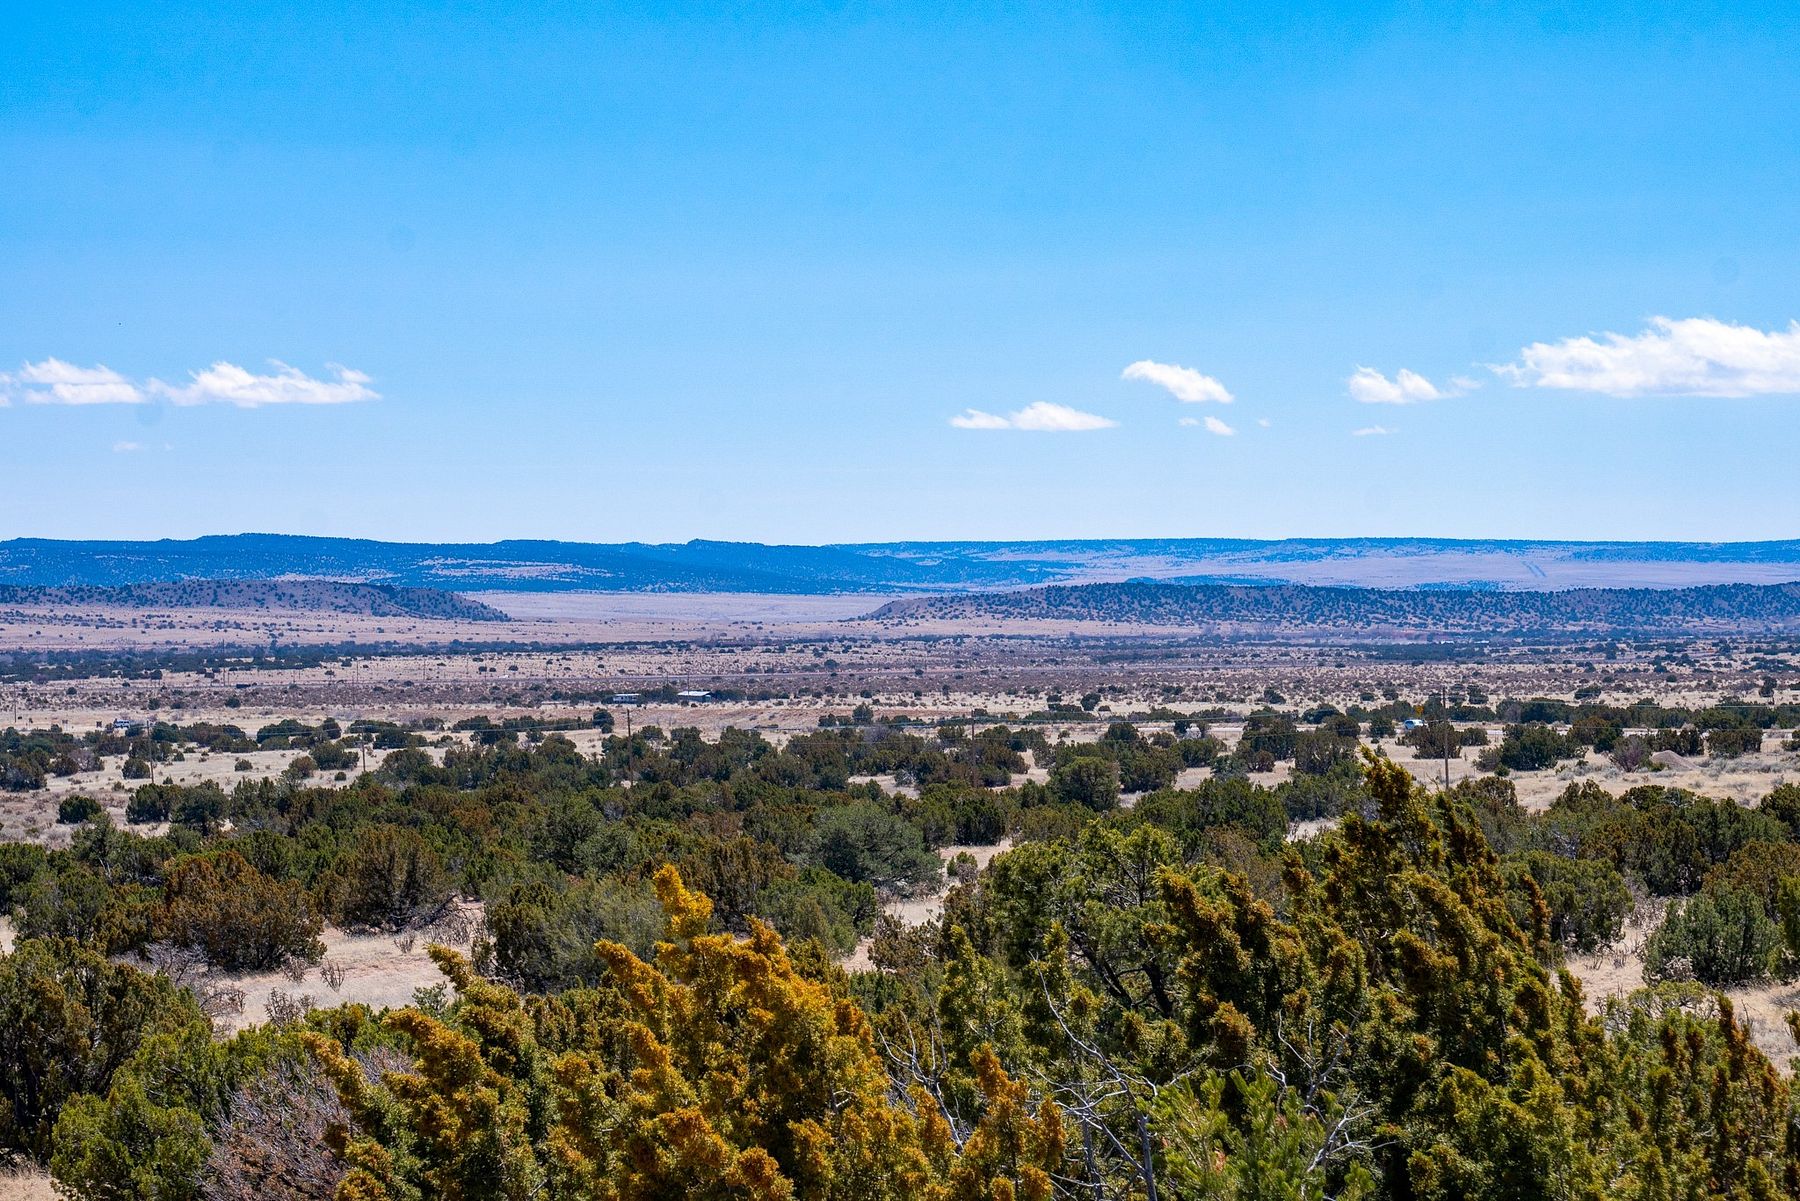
(1177, 996)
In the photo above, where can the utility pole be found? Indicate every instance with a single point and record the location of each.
(1449, 733)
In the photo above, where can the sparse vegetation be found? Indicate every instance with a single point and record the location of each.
(1130, 835)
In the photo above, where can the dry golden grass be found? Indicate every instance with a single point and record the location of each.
(26, 1184)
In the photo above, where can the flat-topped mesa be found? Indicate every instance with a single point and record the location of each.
(321, 596)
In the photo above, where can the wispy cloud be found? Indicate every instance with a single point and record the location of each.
(1693, 356)
(127, 448)
(55, 382)
(1183, 383)
(1371, 431)
(1212, 425)
(227, 383)
(1371, 387)
(1041, 416)
(975, 419)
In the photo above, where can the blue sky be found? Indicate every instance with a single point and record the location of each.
(867, 272)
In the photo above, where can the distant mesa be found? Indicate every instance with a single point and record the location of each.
(314, 596)
(903, 568)
(1232, 608)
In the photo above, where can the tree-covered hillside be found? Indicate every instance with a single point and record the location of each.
(1713, 609)
(322, 596)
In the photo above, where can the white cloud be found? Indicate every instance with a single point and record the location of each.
(1041, 416)
(126, 448)
(1371, 387)
(1183, 383)
(1263, 421)
(54, 382)
(975, 419)
(1693, 356)
(1371, 431)
(1215, 426)
(227, 383)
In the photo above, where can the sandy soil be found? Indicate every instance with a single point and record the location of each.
(888, 783)
(1766, 1007)
(1745, 780)
(1618, 971)
(916, 911)
(26, 1184)
(31, 816)
(379, 973)
(1310, 828)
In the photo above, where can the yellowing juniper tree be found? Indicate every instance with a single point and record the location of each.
(717, 1071)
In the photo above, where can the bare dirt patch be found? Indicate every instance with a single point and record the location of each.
(916, 911)
(1617, 972)
(382, 971)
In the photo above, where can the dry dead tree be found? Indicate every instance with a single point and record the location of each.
(285, 1009)
(275, 1142)
(333, 973)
